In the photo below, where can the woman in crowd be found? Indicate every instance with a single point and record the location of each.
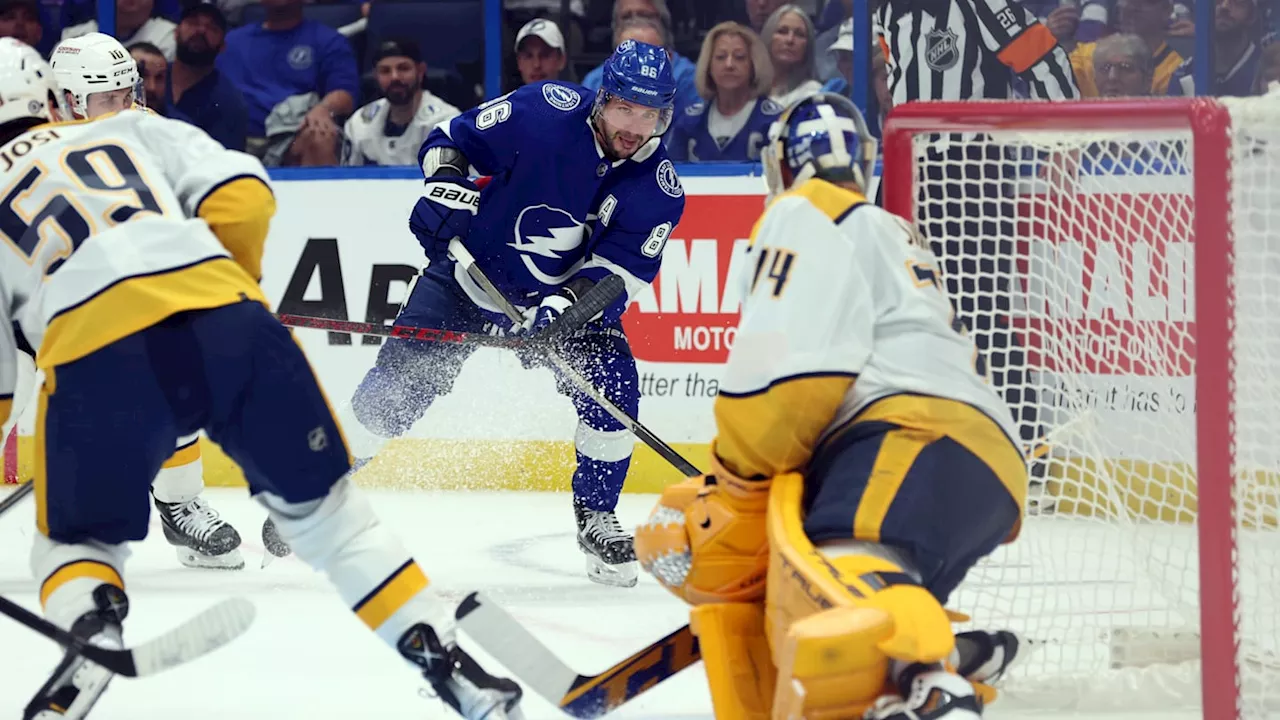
(734, 77)
(789, 33)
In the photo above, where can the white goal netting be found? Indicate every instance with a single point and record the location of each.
(1069, 238)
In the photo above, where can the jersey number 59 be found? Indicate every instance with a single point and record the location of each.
(101, 169)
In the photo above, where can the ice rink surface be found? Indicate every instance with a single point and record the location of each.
(307, 656)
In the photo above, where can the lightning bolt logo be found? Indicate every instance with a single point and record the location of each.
(544, 231)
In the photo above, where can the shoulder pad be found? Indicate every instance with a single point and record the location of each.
(695, 109)
(771, 107)
(561, 97)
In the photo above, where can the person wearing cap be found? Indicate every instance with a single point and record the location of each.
(195, 91)
(389, 130)
(841, 51)
(540, 51)
(135, 22)
(299, 69)
(20, 19)
(1236, 52)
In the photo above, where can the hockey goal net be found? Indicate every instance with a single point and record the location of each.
(1119, 265)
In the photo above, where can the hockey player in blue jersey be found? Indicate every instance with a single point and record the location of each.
(578, 190)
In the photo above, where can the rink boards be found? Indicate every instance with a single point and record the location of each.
(340, 248)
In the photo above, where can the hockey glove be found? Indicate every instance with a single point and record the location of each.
(706, 540)
(443, 212)
(539, 318)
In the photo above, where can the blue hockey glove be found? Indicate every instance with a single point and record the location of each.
(536, 319)
(443, 212)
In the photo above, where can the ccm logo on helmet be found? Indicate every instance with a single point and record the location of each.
(454, 196)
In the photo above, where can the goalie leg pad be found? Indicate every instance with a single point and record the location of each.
(835, 620)
(735, 655)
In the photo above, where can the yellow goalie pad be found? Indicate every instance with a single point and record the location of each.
(834, 623)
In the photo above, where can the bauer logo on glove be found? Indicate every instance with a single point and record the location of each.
(452, 195)
(706, 541)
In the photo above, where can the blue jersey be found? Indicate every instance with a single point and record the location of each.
(556, 209)
(690, 138)
(269, 66)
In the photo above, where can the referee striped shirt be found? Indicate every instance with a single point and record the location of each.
(969, 49)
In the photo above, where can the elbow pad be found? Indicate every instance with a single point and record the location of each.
(444, 161)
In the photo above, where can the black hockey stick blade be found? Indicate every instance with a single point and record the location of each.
(16, 496)
(592, 303)
(195, 638)
(581, 696)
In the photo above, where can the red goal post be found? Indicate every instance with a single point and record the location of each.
(1002, 179)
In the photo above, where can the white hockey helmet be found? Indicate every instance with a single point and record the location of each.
(27, 86)
(91, 64)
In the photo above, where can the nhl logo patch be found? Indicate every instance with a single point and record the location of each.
(560, 97)
(668, 180)
(941, 51)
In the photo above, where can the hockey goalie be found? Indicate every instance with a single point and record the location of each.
(861, 464)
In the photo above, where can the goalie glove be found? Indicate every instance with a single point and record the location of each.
(706, 541)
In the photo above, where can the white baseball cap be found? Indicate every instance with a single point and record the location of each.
(542, 28)
(844, 40)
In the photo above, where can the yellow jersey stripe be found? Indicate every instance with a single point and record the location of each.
(399, 587)
(77, 570)
(767, 432)
(184, 455)
(134, 303)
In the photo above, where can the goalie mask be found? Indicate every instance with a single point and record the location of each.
(821, 136)
(92, 64)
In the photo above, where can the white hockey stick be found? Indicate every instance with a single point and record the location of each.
(582, 696)
(195, 638)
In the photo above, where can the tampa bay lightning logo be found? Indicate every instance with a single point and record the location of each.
(668, 180)
(544, 235)
(560, 97)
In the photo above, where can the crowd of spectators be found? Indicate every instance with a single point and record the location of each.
(298, 86)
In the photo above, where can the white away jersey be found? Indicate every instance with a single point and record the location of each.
(839, 310)
(365, 140)
(108, 226)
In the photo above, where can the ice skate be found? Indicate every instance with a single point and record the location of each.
(76, 683)
(201, 537)
(928, 693)
(610, 551)
(458, 680)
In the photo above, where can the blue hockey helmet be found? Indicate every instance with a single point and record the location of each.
(820, 136)
(639, 73)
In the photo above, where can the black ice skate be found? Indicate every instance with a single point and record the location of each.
(610, 551)
(458, 680)
(202, 538)
(76, 683)
(928, 693)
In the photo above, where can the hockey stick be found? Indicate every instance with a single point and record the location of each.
(592, 302)
(16, 496)
(198, 636)
(406, 332)
(582, 696)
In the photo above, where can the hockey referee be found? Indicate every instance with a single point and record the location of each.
(972, 50)
(969, 50)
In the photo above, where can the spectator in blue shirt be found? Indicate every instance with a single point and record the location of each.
(196, 92)
(300, 70)
(653, 30)
(21, 19)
